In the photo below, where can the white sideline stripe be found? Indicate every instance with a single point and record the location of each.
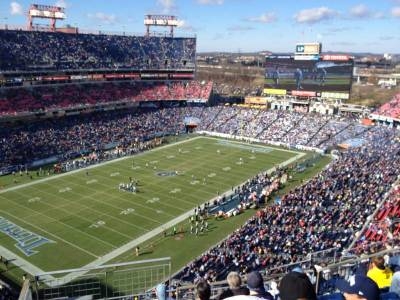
(132, 244)
(52, 281)
(93, 166)
(31, 268)
(22, 263)
(50, 234)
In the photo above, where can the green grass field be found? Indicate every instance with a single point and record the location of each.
(85, 216)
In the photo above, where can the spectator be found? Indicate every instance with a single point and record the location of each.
(255, 283)
(395, 286)
(296, 285)
(161, 292)
(203, 290)
(379, 273)
(359, 287)
(235, 286)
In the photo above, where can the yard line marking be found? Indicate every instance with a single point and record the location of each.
(51, 234)
(132, 244)
(113, 196)
(96, 165)
(58, 221)
(100, 213)
(103, 258)
(138, 195)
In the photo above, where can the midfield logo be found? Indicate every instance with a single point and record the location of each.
(27, 241)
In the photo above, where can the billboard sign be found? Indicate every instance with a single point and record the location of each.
(256, 100)
(308, 48)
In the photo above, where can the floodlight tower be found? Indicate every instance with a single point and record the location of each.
(53, 13)
(160, 20)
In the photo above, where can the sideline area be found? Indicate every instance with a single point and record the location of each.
(52, 281)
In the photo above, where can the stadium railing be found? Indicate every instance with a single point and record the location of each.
(113, 281)
(320, 276)
(136, 280)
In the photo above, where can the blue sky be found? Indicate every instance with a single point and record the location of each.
(242, 25)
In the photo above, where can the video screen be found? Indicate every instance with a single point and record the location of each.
(308, 75)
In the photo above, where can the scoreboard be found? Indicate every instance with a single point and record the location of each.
(312, 76)
(309, 73)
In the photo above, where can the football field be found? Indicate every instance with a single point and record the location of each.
(85, 216)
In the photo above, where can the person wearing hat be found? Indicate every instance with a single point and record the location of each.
(296, 285)
(255, 284)
(359, 287)
(379, 273)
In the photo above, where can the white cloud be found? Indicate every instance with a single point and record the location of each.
(208, 2)
(167, 5)
(104, 18)
(61, 3)
(16, 8)
(396, 12)
(315, 15)
(360, 11)
(264, 18)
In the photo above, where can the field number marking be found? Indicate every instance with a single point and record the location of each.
(64, 190)
(127, 211)
(98, 224)
(153, 200)
(34, 199)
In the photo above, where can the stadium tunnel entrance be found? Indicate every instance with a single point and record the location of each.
(191, 124)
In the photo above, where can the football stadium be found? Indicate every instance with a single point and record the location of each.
(126, 174)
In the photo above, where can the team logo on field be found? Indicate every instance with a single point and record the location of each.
(27, 241)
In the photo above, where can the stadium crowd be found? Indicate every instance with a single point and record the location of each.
(385, 224)
(25, 143)
(324, 213)
(33, 50)
(390, 109)
(47, 98)
(75, 135)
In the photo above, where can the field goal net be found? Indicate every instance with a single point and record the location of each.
(113, 281)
